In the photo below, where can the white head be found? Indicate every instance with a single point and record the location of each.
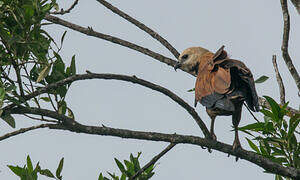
(188, 59)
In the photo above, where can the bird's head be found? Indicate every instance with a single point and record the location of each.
(189, 58)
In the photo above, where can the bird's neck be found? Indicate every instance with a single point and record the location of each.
(204, 62)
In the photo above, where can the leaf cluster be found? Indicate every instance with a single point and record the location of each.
(277, 136)
(129, 169)
(28, 173)
(28, 50)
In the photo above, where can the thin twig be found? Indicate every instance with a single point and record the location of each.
(23, 130)
(62, 11)
(142, 26)
(40, 119)
(153, 161)
(51, 102)
(279, 81)
(251, 112)
(285, 43)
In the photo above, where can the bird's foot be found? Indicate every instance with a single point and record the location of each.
(214, 137)
(236, 146)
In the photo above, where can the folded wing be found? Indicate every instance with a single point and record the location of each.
(222, 82)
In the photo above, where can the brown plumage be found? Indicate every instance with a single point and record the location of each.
(222, 85)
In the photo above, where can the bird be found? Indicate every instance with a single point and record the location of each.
(222, 85)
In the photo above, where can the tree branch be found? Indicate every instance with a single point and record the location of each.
(132, 79)
(285, 43)
(296, 3)
(23, 130)
(159, 57)
(142, 26)
(279, 81)
(73, 126)
(90, 32)
(153, 161)
(62, 11)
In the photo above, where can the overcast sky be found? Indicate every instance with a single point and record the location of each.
(251, 32)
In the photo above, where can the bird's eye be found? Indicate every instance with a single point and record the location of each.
(185, 56)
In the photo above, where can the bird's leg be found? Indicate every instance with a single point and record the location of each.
(236, 117)
(212, 116)
(212, 133)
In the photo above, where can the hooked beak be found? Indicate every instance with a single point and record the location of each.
(177, 65)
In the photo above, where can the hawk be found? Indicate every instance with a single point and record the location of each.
(222, 85)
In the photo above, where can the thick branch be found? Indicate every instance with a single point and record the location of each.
(71, 125)
(285, 43)
(279, 81)
(142, 26)
(132, 79)
(153, 161)
(22, 130)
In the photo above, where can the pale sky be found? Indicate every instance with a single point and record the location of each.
(251, 32)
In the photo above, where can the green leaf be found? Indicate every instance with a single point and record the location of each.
(130, 167)
(191, 90)
(261, 79)
(70, 113)
(46, 99)
(262, 149)
(59, 168)
(43, 74)
(9, 119)
(73, 66)
(62, 38)
(62, 107)
(149, 169)
(29, 164)
(255, 127)
(120, 165)
(253, 146)
(267, 113)
(46, 172)
(17, 170)
(123, 177)
(135, 162)
(274, 106)
(2, 93)
(294, 122)
(277, 177)
(100, 177)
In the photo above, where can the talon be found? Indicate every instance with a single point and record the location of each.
(214, 137)
(236, 145)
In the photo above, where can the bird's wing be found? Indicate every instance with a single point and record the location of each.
(225, 79)
(242, 79)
